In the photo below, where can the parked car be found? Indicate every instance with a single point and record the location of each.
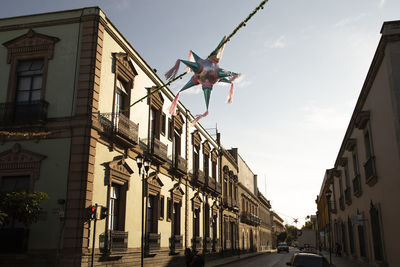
(283, 247)
(308, 260)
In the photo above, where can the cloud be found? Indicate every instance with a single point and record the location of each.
(350, 20)
(381, 3)
(325, 119)
(278, 43)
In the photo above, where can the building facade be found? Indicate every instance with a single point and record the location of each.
(265, 228)
(364, 181)
(68, 129)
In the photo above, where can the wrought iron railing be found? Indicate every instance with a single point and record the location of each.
(118, 123)
(23, 112)
(118, 240)
(153, 241)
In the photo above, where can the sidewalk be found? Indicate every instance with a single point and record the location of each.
(234, 258)
(343, 261)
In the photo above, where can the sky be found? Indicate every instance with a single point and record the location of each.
(303, 64)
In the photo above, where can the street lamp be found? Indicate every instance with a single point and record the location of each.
(146, 164)
(328, 195)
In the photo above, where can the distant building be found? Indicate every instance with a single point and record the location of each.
(365, 178)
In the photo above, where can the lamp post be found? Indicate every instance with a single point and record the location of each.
(146, 164)
(328, 195)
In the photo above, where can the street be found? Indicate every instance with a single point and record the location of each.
(268, 260)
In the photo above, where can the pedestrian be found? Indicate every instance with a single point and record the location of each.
(338, 249)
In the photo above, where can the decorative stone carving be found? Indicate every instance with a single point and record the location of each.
(19, 160)
(31, 43)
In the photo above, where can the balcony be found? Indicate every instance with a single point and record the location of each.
(179, 165)
(176, 242)
(118, 241)
(249, 218)
(357, 186)
(15, 113)
(227, 201)
(198, 177)
(157, 150)
(152, 242)
(370, 171)
(347, 195)
(207, 244)
(210, 184)
(341, 202)
(118, 125)
(196, 242)
(218, 187)
(215, 244)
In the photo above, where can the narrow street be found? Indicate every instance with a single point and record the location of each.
(268, 260)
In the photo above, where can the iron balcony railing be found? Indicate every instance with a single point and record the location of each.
(152, 241)
(118, 123)
(118, 240)
(370, 171)
(23, 112)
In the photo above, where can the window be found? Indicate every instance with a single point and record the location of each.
(114, 207)
(169, 209)
(177, 143)
(196, 222)
(15, 184)
(368, 146)
(207, 221)
(121, 97)
(361, 240)
(206, 168)
(161, 208)
(355, 162)
(152, 214)
(214, 169)
(346, 175)
(154, 124)
(163, 122)
(29, 80)
(376, 232)
(195, 159)
(351, 237)
(170, 129)
(176, 211)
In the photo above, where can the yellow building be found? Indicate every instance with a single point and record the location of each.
(67, 129)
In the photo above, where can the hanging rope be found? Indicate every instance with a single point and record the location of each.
(242, 24)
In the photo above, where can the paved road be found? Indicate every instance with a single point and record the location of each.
(267, 260)
(279, 260)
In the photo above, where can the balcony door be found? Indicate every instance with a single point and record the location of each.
(28, 91)
(120, 104)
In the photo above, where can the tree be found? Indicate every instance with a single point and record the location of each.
(22, 207)
(308, 225)
(291, 233)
